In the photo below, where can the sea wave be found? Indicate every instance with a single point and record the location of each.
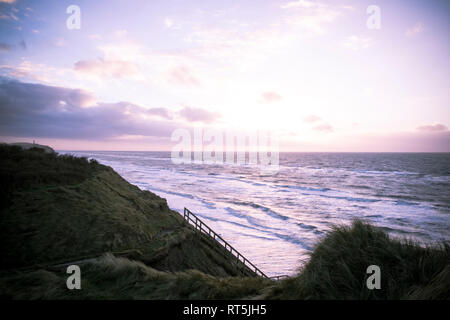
(269, 211)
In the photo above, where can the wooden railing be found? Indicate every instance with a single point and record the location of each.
(193, 220)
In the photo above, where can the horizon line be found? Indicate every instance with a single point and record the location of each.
(246, 151)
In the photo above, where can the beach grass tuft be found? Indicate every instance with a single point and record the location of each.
(337, 268)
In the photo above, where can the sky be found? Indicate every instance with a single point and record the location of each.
(315, 74)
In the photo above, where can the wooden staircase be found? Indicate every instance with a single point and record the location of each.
(198, 224)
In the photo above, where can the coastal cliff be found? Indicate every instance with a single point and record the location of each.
(58, 209)
(62, 208)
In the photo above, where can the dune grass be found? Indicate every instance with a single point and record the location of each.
(120, 278)
(337, 268)
(31, 168)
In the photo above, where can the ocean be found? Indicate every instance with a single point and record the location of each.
(276, 219)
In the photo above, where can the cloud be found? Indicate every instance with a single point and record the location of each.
(299, 3)
(312, 118)
(106, 68)
(416, 29)
(310, 17)
(433, 128)
(8, 15)
(327, 128)
(5, 47)
(46, 96)
(243, 43)
(270, 96)
(35, 110)
(358, 43)
(182, 75)
(161, 112)
(30, 71)
(198, 115)
(7, 1)
(306, 4)
(319, 124)
(11, 15)
(9, 47)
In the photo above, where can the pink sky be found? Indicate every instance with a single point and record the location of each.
(310, 72)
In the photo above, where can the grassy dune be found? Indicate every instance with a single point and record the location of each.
(336, 270)
(338, 264)
(120, 278)
(62, 208)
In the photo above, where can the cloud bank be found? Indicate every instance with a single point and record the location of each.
(39, 111)
(35, 110)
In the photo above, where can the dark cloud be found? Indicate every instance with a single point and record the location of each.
(433, 128)
(5, 47)
(198, 115)
(34, 110)
(8, 47)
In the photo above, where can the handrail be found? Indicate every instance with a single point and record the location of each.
(199, 224)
